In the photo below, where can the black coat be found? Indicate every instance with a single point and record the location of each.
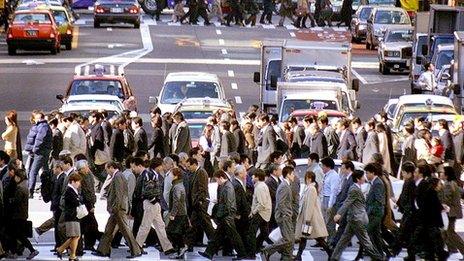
(88, 191)
(406, 200)
(240, 140)
(117, 148)
(140, 141)
(430, 207)
(243, 206)
(71, 202)
(16, 200)
(157, 142)
(57, 143)
(56, 193)
(272, 184)
(199, 188)
(97, 136)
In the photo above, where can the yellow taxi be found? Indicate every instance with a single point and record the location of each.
(64, 21)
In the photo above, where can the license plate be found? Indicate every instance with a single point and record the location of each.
(396, 66)
(116, 10)
(31, 33)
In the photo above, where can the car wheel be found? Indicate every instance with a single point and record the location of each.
(149, 6)
(11, 50)
(68, 46)
(96, 24)
(137, 25)
(368, 45)
(385, 69)
(380, 67)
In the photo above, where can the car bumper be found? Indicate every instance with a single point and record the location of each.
(32, 44)
(117, 18)
(397, 64)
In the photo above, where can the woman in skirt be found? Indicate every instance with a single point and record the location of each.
(73, 230)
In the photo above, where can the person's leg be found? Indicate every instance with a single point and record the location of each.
(345, 239)
(453, 239)
(321, 241)
(235, 239)
(160, 228)
(73, 247)
(104, 246)
(250, 245)
(65, 246)
(363, 237)
(37, 163)
(301, 248)
(148, 214)
(263, 233)
(123, 227)
(46, 226)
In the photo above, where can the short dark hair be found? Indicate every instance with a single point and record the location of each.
(79, 156)
(357, 175)
(225, 124)
(348, 165)
(141, 154)
(138, 161)
(244, 158)
(175, 158)
(409, 128)
(5, 157)
(314, 156)
(275, 155)
(408, 167)
(374, 168)
(112, 164)
(74, 177)
(287, 170)
(424, 170)
(66, 159)
(156, 162)
(227, 164)
(328, 162)
(264, 117)
(220, 174)
(177, 172)
(192, 161)
(178, 115)
(356, 120)
(427, 65)
(260, 174)
(194, 151)
(128, 161)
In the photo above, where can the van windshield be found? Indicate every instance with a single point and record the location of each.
(444, 58)
(176, 91)
(391, 17)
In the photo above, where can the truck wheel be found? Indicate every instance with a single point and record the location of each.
(148, 6)
(54, 50)
(68, 46)
(137, 25)
(380, 67)
(96, 24)
(385, 69)
(11, 50)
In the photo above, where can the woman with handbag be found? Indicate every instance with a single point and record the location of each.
(310, 223)
(72, 205)
(303, 12)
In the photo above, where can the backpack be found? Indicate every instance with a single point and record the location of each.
(46, 189)
(150, 190)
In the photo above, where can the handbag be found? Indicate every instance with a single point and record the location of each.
(81, 211)
(102, 156)
(275, 235)
(306, 229)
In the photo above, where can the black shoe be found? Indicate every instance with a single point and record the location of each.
(133, 256)
(169, 252)
(100, 254)
(207, 23)
(190, 249)
(316, 245)
(53, 250)
(205, 255)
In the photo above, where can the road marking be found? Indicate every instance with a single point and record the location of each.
(109, 29)
(290, 27)
(226, 59)
(218, 32)
(231, 73)
(32, 62)
(221, 42)
(223, 51)
(75, 39)
(110, 46)
(234, 86)
(359, 76)
(238, 100)
(268, 26)
(292, 34)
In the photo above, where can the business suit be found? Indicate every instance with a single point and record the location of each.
(117, 206)
(319, 144)
(272, 184)
(228, 144)
(157, 143)
(181, 140)
(117, 148)
(447, 142)
(266, 145)
(283, 215)
(243, 208)
(140, 140)
(360, 138)
(55, 206)
(224, 212)
(406, 207)
(458, 140)
(347, 182)
(199, 217)
(408, 149)
(297, 142)
(239, 140)
(452, 198)
(97, 139)
(332, 141)
(354, 208)
(347, 145)
(171, 133)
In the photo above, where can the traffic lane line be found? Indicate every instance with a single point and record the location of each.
(221, 42)
(218, 32)
(224, 51)
(361, 79)
(234, 86)
(75, 40)
(230, 73)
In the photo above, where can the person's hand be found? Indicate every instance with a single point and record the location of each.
(337, 218)
(92, 210)
(446, 208)
(171, 217)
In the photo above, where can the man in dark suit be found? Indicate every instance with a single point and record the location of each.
(4, 160)
(199, 203)
(331, 136)
(354, 208)
(375, 208)
(371, 145)
(406, 207)
(228, 142)
(181, 137)
(157, 142)
(97, 142)
(318, 141)
(239, 136)
(56, 197)
(360, 137)
(243, 205)
(266, 141)
(447, 142)
(117, 148)
(107, 129)
(346, 170)
(347, 147)
(140, 135)
(273, 181)
(298, 138)
(117, 206)
(224, 213)
(283, 216)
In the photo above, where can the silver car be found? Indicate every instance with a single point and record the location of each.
(381, 19)
(359, 23)
(395, 50)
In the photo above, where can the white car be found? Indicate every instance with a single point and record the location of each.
(84, 104)
(183, 85)
(201, 108)
(420, 100)
(395, 50)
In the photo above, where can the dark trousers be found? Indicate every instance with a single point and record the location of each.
(406, 232)
(176, 231)
(285, 245)
(137, 213)
(340, 230)
(117, 219)
(16, 229)
(374, 230)
(225, 229)
(200, 221)
(428, 241)
(56, 220)
(253, 243)
(89, 230)
(452, 239)
(267, 14)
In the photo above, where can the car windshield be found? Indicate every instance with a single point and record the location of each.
(38, 18)
(391, 17)
(365, 13)
(60, 17)
(410, 116)
(176, 91)
(273, 69)
(444, 58)
(111, 87)
(196, 114)
(391, 109)
(316, 104)
(196, 130)
(111, 114)
(399, 36)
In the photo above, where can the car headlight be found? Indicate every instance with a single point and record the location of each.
(392, 53)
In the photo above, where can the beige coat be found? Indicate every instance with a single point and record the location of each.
(303, 6)
(310, 210)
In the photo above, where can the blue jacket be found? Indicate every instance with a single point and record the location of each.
(39, 139)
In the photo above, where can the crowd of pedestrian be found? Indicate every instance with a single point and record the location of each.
(158, 189)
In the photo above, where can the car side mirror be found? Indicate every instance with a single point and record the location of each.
(274, 82)
(60, 97)
(425, 50)
(355, 84)
(256, 77)
(153, 99)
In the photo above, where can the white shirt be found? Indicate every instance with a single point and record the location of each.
(428, 81)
